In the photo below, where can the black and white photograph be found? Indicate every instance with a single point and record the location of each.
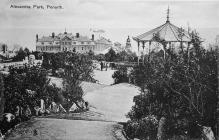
(109, 70)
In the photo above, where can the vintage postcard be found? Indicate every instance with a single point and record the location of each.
(109, 70)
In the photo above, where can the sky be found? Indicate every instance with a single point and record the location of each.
(119, 18)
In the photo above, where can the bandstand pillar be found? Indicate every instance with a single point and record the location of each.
(149, 51)
(143, 46)
(138, 51)
(188, 52)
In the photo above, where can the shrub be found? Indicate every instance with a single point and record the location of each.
(143, 128)
(120, 75)
(182, 88)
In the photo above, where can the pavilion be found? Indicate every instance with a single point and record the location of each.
(167, 32)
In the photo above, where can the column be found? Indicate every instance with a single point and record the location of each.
(138, 52)
(149, 51)
(143, 45)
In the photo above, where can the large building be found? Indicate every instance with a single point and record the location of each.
(69, 42)
(102, 45)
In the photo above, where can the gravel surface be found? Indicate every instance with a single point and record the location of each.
(108, 106)
(62, 129)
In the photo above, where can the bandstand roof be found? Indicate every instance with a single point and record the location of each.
(167, 31)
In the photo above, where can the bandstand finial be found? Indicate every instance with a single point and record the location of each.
(168, 13)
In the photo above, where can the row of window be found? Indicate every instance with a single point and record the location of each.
(66, 43)
(47, 48)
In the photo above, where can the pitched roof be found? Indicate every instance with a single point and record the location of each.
(46, 39)
(103, 40)
(82, 38)
(61, 36)
(167, 31)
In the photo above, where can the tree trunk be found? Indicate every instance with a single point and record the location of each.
(161, 135)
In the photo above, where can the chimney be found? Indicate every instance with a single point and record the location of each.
(77, 35)
(92, 37)
(53, 35)
(37, 38)
(4, 48)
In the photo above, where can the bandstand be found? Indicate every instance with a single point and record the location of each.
(167, 34)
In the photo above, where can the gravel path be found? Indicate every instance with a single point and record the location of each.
(61, 129)
(108, 106)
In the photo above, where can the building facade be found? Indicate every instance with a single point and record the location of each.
(69, 42)
(102, 45)
(128, 45)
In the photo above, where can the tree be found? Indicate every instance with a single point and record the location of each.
(54, 61)
(72, 91)
(25, 87)
(21, 54)
(27, 51)
(111, 55)
(120, 75)
(180, 90)
(100, 57)
(77, 68)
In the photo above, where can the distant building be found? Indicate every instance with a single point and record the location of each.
(117, 44)
(102, 45)
(128, 45)
(117, 47)
(68, 42)
(64, 42)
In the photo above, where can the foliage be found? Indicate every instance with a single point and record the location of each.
(120, 75)
(76, 68)
(143, 128)
(100, 57)
(126, 56)
(38, 55)
(72, 91)
(111, 55)
(80, 66)
(181, 87)
(21, 54)
(20, 81)
(53, 61)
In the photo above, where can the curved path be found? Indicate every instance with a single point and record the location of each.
(108, 105)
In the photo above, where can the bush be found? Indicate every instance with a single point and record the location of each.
(144, 128)
(26, 86)
(182, 88)
(120, 75)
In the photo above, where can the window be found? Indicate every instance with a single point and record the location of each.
(50, 43)
(74, 42)
(42, 43)
(82, 42)
(82, 48)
